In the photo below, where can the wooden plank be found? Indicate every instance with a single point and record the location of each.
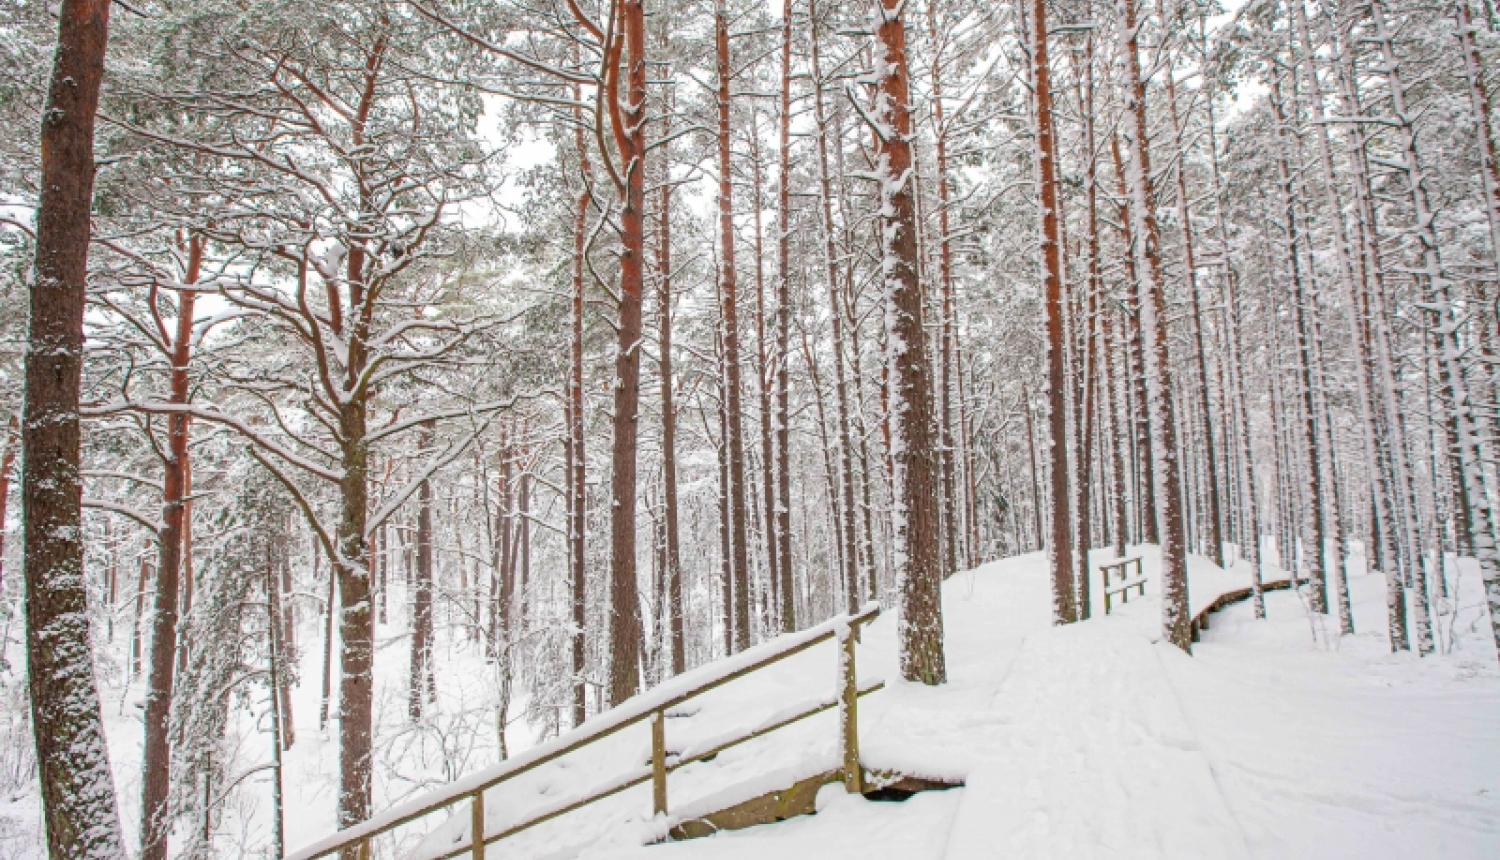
(658, 763)
(476, 825)
(849, 717)
(799, 799)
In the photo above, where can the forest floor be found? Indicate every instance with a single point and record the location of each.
(1278, 739)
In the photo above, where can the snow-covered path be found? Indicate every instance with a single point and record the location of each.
(1099, 741)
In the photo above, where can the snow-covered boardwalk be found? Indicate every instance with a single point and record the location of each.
(1097, 741)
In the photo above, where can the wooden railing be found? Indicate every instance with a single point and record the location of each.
(356, 842)
(1121, 569)
(1229, 598)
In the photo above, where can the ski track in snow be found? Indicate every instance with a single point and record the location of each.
(1095, 740)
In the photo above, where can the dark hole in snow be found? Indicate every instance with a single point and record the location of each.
(890, 794)
(904, 788)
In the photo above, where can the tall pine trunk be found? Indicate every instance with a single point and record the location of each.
(80, 816)
(421, 676)
(1060, 547)
(914, 443)
(157, 754)
(739, 563)
(624, 603)
(577, 488)
(783, 327)
(1165, 456)
(673, 584)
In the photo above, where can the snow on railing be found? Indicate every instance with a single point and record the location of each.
(651, 705)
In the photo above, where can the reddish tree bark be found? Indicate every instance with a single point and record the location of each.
(915, 446)
(630, 136)
(729, 282)
(421, 623)
(1060, 541)
(80, 816)
(157, 757)
(1160, 404)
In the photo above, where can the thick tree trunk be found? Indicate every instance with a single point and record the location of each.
(80, 816)
(1060, 547)
(918, 565)
(1395, 462)
(280, 704)
(625, 612)
(356, 619)
(1160, 396)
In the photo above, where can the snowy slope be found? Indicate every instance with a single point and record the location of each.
(1098, 741)
(1277, 739)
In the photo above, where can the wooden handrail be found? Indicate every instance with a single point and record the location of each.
(1126, 583)
(641, 776)
(652, 704)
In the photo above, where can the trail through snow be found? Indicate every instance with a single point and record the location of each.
(1098, 740)
(1276, 740)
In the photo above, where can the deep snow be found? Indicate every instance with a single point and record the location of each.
(1277, 739)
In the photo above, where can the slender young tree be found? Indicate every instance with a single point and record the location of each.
(787, 610)
(739, 563)
(172, 540)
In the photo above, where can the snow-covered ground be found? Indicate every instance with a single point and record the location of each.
(1276, 739)
(1099, 741)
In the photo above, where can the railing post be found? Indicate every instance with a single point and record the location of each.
(849, 714)
(476, 825)
(658, 763)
